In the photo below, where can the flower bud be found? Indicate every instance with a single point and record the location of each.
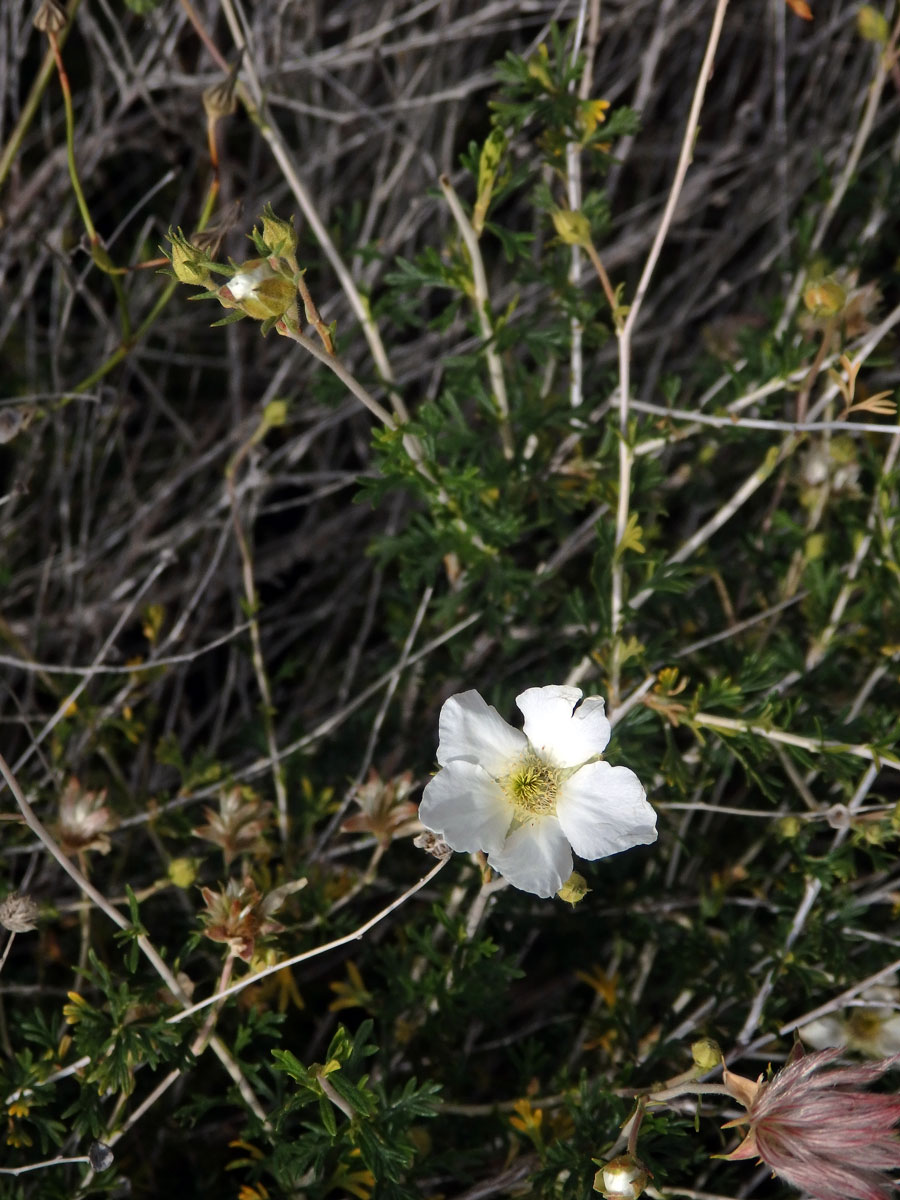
(825, 297)
(279, 235)
(872, 25)
(574, 889)
(182, 872)
(573, 227)
(623, 1178)
(188, 261)
(258, 291)
(706, 1054)
(788, 827)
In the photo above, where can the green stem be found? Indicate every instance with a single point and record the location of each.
(30, 107)
(70, 140)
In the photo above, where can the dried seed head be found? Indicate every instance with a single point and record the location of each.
(431, 843)
(209, 240)
(84, 820)
(238, 916)
(385, 809)
(100, 1156)
(219, 100)
(50, 17)
(18, 913)
(239, 826)
(11, 421)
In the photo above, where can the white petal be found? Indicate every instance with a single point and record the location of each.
(559, 735)
(466, 807)
(822, 1033)
(536, 857)
(604, 809)
(473, 730)
(245, 283)
(886, 1040)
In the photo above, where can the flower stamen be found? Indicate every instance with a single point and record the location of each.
(533, 786)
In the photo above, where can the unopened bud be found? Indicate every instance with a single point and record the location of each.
(573, 227)
(188, 261)
(788, 827)
(706, 1054)
(623, 1178)
(182, 872)
(258, 290)
(872, 25)
(279, 236)
(825, 298)
(50, 17)
(574, 889)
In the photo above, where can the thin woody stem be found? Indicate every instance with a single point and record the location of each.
(626, 453)
(355, 936)
(482, 305)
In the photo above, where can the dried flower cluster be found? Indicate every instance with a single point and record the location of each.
(18, 913)
(240, 914)
(385, 810)
(240, 824)
(85, 820)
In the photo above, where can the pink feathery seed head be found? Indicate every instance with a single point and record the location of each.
(819, 1134)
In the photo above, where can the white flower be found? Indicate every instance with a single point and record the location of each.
(872, 1029)
(529, 799)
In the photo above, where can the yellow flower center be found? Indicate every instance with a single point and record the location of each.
(533, 786)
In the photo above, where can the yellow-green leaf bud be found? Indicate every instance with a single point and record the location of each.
(279, 235)
(573, 227)
(706, 1054)
(188, 261)
(258, 291)
(623, 1178)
